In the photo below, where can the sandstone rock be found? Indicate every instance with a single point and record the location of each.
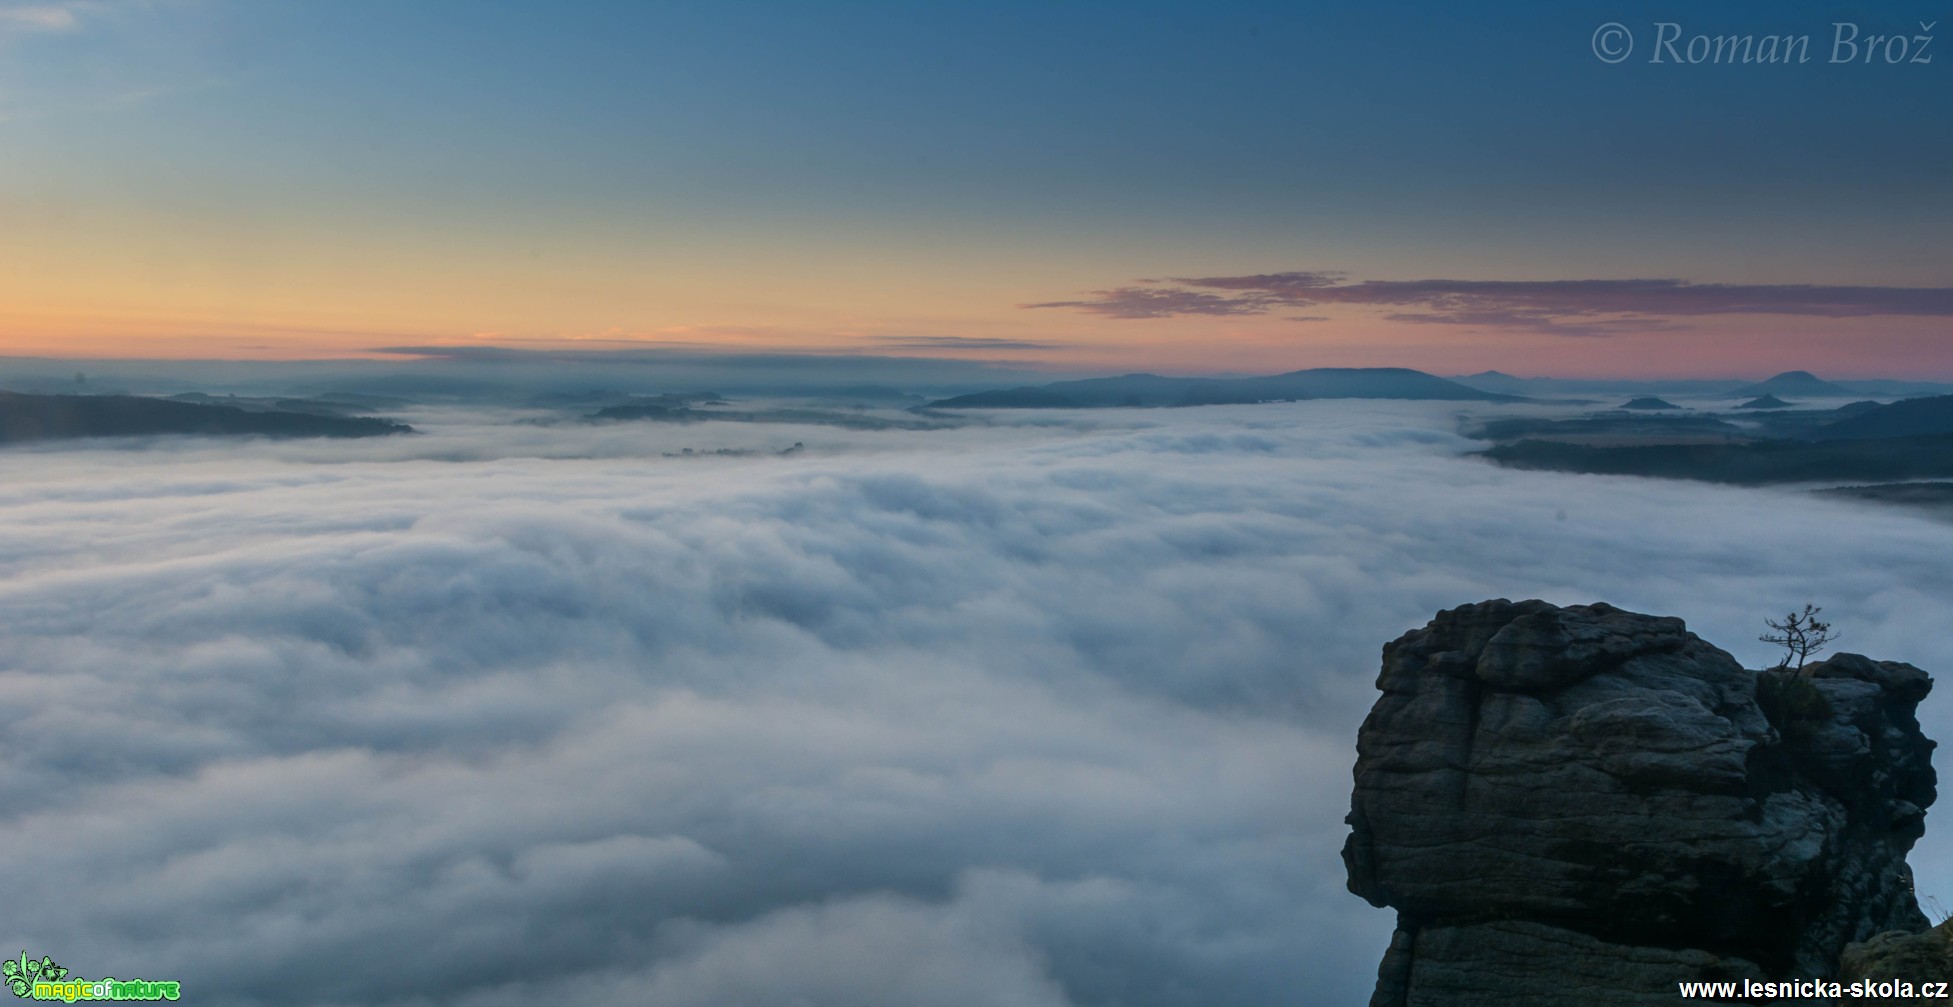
(1902, 957)
(1559, 800)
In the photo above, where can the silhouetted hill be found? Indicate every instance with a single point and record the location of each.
(1905, 418)
(1765, 402)
(1793, 383)
(866, 393)
(43, 417)
(671, 409)
(1498, 382)
(1935, 496)
(1890, 459)
(1153, 390)
(1649, 402)
(651, 411)
(264, 404)
(1614, 429)
(1012, 398)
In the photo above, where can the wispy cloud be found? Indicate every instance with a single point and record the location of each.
(957, 343)
(135, 51)
(39, 17)
(1592, 307)
(1162, 302)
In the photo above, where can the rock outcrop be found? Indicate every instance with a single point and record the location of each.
(1586, 805)
(1897, 956)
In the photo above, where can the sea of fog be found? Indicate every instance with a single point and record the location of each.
(1053, 708)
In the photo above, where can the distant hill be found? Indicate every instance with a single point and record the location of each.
(1794, 385)
(1538, 388)
(670, 409)
(1621, 427)
(1905, 418)
(672, 412)
(1935, 496)
(1884, 460)
(1498, 382)
(1649, 402)
(1899, 389)
(866, 393)
(1765, 402)
(260, 404)
(1797, 384)
(46, 417)
(677, 408)
(1614, 429)
(1153, 390)
(1907, 440)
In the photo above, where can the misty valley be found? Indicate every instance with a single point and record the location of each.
(737, 675)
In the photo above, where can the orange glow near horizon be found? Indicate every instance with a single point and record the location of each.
(1742, 346)
(203, 278)
(111, 283)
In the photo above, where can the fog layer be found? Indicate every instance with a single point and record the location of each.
(1055, 709)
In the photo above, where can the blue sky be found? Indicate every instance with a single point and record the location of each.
(815, 171)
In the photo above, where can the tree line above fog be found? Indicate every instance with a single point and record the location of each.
(49, 417)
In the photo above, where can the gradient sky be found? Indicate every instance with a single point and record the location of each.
(213, 178)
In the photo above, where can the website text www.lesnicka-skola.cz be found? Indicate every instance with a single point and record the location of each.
(1751, 989)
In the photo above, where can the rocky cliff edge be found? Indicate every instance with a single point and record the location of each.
(1588, 805)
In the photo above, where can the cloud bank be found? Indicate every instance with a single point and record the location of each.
(1560, 307)
(1056, 711)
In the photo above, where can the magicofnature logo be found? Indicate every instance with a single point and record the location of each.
(30, 979)
(23, 974)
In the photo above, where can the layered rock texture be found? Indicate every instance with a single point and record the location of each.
(1898, 956)
(1587, 805)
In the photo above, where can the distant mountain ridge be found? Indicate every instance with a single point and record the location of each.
(1507, 384)
(1793, 384)
(1883, 459)
(1905, 418)
(25, 417)
(1153, 390)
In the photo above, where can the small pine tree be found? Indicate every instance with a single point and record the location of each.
(1800, 634)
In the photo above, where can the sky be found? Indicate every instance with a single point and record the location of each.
(1060, 186)
(1053, 711)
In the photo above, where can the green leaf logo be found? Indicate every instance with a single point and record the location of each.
(21, 973)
